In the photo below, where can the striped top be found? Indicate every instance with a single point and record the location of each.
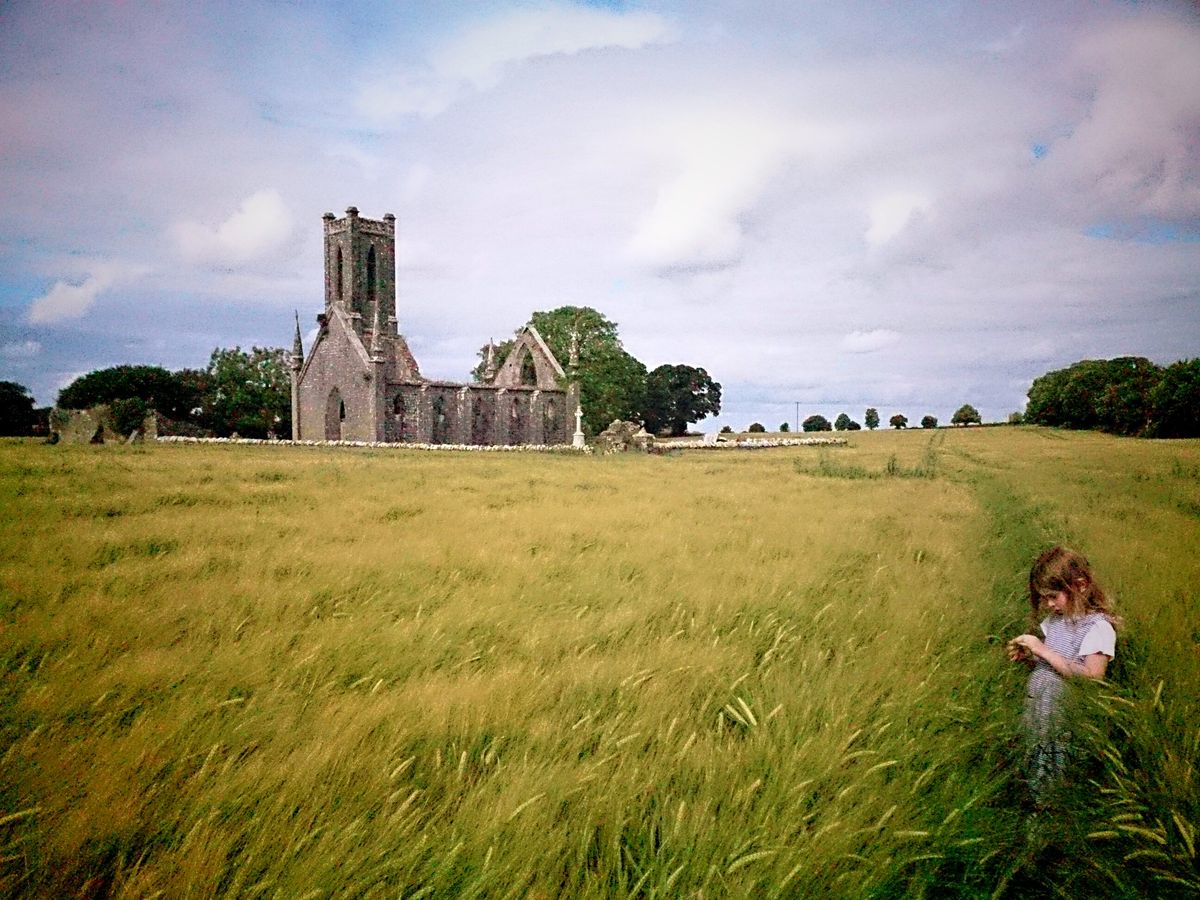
(1074, 639)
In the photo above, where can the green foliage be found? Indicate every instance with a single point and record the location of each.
(726, 429)
(1111, 395)
(853, 426)
(871, 419)
(756, 428)
(929, 421)
(842, 422)
(676, 396)
(816, 423)
(170, 394)
(248, 393)
(1016, 418)
(784, 428)
(16, 409)
(499, 354)
(1175, 401)
(898, 421)
(128, 414)
(966, 415)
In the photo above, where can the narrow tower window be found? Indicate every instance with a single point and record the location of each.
(337, 290)
(371, 276)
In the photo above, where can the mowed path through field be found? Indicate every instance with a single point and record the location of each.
(287, 671)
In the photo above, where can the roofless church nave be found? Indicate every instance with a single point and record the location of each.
(361, 382)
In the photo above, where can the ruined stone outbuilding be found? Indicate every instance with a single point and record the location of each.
(360, 381)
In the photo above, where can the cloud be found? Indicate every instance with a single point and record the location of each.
(478, 57)
(21, 350)
(67, 300)
(1135, 149)
(721, 159)
(892, 213)
(869, 341)
(260, 226)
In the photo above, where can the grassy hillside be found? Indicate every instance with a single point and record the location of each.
(265, 671)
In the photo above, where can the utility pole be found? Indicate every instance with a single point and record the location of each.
(797, 415)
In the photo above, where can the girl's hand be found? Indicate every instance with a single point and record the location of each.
(1025, 647)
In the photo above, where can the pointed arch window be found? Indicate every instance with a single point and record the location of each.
(337, 289)
(371, 276)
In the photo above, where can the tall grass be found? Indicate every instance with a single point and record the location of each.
(291, 672)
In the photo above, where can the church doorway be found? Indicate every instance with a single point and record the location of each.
(335, 416)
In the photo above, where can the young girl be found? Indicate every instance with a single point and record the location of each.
(1079, 639)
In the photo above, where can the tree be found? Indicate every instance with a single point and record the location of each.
(726, 429)
(158, 389)
(1108, 394)
(853, 426)
(898, 421)
(929, 421)
(1015, 418)
(966, 415)
(249, 393)
(784, 428)
(16, 410)
(756, 428)
(872, 418)
(677, 395)
(842, 422)
(1175, 401)
(816, 423)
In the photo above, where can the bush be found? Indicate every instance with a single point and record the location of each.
(756, 428)
(783, 428)
(842, 422)
(726, 429)
(853, 426)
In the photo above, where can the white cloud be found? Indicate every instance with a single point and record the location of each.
(477, 58)
(1134, 150)
(479, 55)
(67, 300)
(892, 213)
(21, 350)
(720, 161)
(259, 227)
(869, 341)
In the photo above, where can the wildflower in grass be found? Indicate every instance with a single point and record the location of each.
(1078, 625)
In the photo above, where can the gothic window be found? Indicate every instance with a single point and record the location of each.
(549, 423)
(337, 289)
(335, 415)
(440, 423)
(528, 370)
(371, 276)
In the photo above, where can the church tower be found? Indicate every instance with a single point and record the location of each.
(360, 271)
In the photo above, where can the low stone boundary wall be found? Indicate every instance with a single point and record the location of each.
(378, 445)
(752, 444)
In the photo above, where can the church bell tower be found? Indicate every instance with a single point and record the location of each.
(360, 270)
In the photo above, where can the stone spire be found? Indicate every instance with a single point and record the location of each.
(489, 367)
(297, 345)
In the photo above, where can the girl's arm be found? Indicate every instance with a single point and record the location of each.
(1092, 666)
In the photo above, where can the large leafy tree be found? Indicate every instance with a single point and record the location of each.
(16, 409)
(248, 393)
(966, 415)
(1175, 401)
(611, 381)
(871, 419)
(816, 422)
(153, 386)
(842, 422)
(676, 396)
(898, 421)
(1108, 394)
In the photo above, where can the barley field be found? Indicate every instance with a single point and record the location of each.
(296, 672)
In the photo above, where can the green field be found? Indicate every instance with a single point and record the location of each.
(295, 672)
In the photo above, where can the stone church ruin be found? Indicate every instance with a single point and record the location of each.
(360, 382)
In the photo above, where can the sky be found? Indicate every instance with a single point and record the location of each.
(827, 206)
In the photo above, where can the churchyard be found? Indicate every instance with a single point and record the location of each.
(312, 672)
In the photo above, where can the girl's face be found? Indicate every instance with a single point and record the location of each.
(1055, 601)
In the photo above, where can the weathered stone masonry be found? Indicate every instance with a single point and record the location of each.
(361, 382)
